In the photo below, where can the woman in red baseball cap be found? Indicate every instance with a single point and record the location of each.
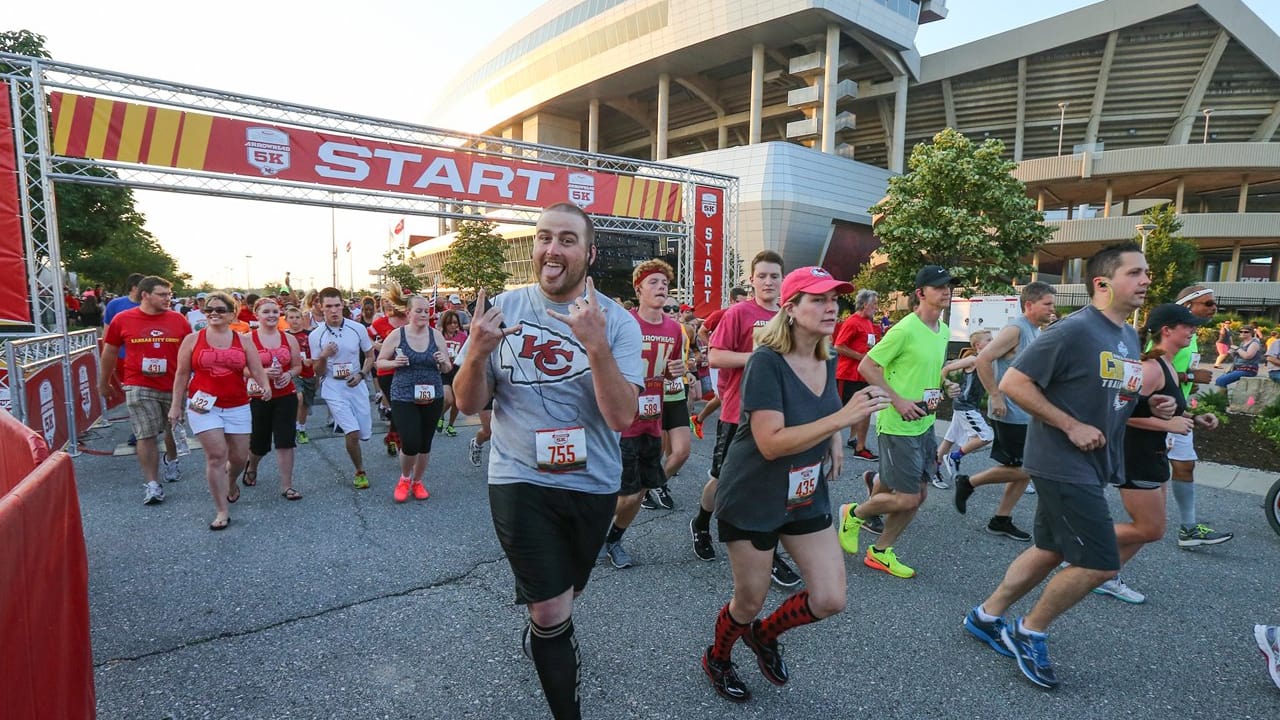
(774, 482)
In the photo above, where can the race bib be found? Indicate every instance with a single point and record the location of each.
(454, 348)
(802, 483)
(674, 386)
(424, 393)
(932, 398)
(871, 340)
(202, 402)
(155, 366)
(341, 370)
(1195, 362)
(252, 387)
(1132, 376)
(650, 407)
(561, 449)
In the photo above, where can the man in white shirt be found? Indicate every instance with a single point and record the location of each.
(335, 347)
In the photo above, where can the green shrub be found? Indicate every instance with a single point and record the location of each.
(1268, 427)
(1210, 402)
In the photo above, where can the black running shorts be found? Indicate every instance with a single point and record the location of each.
(1009, 443)
(641, 464)
(1075, 522)
(550, 536)
(724, 436)
(769, 540)
(675, 414)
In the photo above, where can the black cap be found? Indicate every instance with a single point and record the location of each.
(1171, 314)
(933, 276)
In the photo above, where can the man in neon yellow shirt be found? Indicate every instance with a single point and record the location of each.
(907, 363)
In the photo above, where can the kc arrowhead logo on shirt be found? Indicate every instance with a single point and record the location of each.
(538, 355)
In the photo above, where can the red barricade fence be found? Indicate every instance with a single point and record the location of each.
(46, 660)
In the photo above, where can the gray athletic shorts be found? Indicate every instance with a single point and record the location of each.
(906, 461)
(1075, 522)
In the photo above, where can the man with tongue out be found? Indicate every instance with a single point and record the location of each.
(562, 364)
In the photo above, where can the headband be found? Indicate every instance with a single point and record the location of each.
(1193, 296)
(647, 273)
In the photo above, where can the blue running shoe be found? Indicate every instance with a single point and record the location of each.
(987, 632)
(1031, 650)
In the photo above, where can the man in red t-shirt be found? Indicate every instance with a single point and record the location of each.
(150, 335)
(709, 325)
(641, 444)
(855, 337)
(731, 346)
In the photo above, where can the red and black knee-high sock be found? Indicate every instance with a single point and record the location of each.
(793, 612)
(555, 655)
(728, 631)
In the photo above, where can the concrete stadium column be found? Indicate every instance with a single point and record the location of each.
(830, 73)
(1035, 267)
(1235, 264)
(664, 110)
(757, 93)
(1106, 208)
(1182, 191)
(1040, 201)
(897, 154)
(593, 126)
(722, 136)
(1021, 118)
(1244, 195)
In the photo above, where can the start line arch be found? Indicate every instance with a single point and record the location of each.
(70, 123)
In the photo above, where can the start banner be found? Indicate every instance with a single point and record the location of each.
(14, 308)
(105, 129)
(708, 249)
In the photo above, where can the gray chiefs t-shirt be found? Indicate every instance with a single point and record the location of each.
(545, 415)
(1089, 367)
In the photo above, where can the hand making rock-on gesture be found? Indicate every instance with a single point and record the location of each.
(487, 327)
(586, 318)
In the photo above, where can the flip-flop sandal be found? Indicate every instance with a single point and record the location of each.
(250, 478)
(291, 494)
(215, 525)
(232, 498)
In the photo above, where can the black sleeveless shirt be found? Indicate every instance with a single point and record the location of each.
(1145, 457)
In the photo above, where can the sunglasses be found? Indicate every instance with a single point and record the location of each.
(216, 310)
(1209, 303)
(671, 308)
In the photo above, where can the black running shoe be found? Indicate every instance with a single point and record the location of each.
(702, 546)
(724, 678)
(1032, 653)
(963, 490)
(649, 503)
(768, 656)
(1004, 526)
(873, 524)
(783, 575)
(663, 495)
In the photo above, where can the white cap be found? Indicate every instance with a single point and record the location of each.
(455, 299)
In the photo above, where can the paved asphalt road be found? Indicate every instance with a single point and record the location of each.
(346, 605)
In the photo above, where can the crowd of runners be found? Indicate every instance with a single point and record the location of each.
(588, 407)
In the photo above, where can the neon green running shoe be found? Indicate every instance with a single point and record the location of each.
(361, 482)
(886, 561)
(850, 524)
(302, 437)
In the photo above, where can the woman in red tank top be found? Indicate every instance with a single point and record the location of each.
(454, 338)
(274, 419)
(395, 314)
(210, 381)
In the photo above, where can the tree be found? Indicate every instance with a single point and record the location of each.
(400, 272)
(101, 234)
(476, 258)
(960, 207)
(1171, 257)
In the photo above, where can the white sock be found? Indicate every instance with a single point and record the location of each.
(983, 616)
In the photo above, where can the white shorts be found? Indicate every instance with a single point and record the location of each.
(232, 421)
(967, 424)
(349, 407)
(1182, 447)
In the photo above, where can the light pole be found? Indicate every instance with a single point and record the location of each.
(1144, 229)
(247, 259)
(1207, 112)
(1062, 122)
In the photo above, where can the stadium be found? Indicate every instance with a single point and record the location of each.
(1108, 110)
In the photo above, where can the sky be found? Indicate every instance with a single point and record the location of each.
(379, 58)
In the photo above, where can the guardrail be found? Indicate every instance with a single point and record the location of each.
(50, 384)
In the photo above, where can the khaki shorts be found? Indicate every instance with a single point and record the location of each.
(148, 410)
